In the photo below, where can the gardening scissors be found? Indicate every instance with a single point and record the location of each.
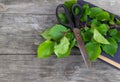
(73, 25)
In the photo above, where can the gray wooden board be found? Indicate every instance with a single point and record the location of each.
(21, 21)
(30, 6)
(109, 5)
(20, 33)
(26, 68)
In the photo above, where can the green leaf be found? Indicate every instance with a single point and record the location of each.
(93, 49)
(86, 12)
(92, 30)
(69, 4)
(103, 28)
(95, 23)
(111, 22)
(61, 49)
(111, 48)
(86, 9)
(45, 49)
(77, 11)
(95, 11)
(117, 21)
(86, 36)
(112, 32)
(63, 18)
(72, 44)
(57, 31)
(87, 28)
(112, 17)
(99, 14)
(99, 38)
(70, 36)
(46, 35)
(117, 36)
(103, 16)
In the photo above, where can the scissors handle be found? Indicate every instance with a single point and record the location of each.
(77, 15)
(80, 10)
(68, 16)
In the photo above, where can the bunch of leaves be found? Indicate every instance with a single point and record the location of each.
(58, 40)
(99, 32)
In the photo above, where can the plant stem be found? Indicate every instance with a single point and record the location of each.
(114, 26)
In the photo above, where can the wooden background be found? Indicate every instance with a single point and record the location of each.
(21, 22)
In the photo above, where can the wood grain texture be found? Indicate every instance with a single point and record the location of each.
(23, 21)
(26, 68)
(30, 6)
(20, 33)
(49, 6)
(109, 5)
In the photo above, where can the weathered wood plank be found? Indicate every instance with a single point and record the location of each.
(20, 25)
(109, 5)
(26, 68)
(30, 6)
(19, 33)
(48, 6)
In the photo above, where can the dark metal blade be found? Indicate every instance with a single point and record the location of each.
(82, 47)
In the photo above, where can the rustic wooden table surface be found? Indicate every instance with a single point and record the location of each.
(21, 22)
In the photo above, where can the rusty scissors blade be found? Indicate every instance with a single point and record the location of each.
(72, 25)
(81, 47)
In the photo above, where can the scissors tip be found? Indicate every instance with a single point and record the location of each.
(88, 65)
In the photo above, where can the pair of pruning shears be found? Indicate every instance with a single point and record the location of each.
(73, 25)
